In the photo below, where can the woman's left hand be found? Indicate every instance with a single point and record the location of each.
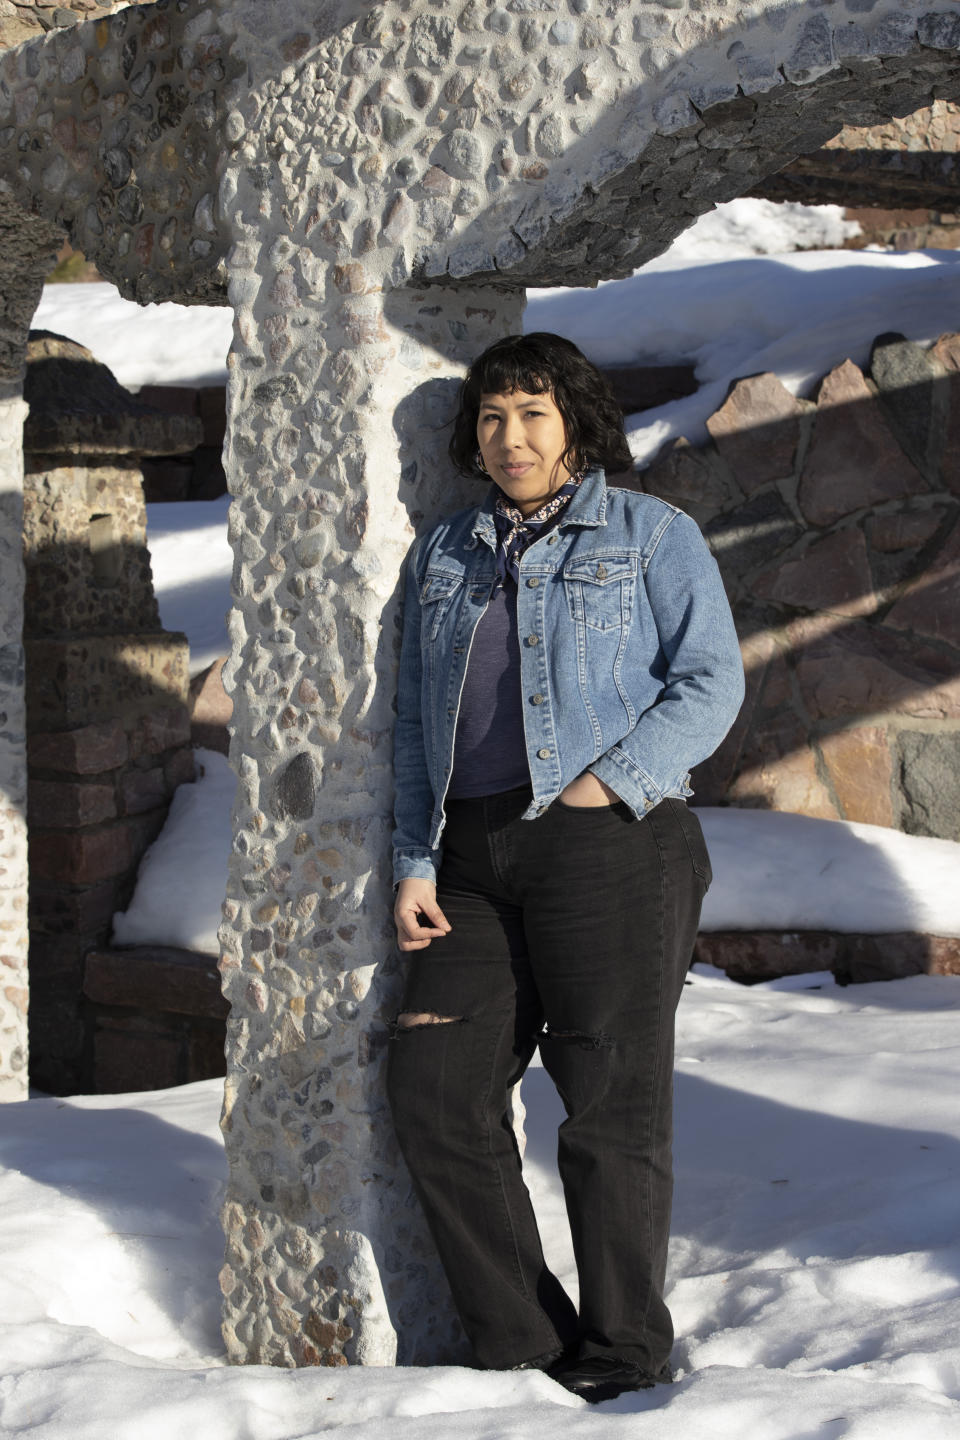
(587, 790)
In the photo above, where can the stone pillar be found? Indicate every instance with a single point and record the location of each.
(336, 457)
(13, 762)
(108, 726)
(27, 248)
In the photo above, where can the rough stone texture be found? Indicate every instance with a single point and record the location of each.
(844, 574)
(13, 765)
(158, 978)
(853, 460)
(106, 689)
(859, 769)
(77, 407)
(111, 129)
(930, 605)
(27, 247)
(929, 783)
(755, 955)
(308, 908)
(831, 574)
(375, 165)
(524, 154)
(210, 708)
(757, 431)
(912, 161)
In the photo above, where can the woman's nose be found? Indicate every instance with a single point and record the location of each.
(512, 433)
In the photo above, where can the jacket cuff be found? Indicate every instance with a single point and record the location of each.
(631, 783)
(419, 864)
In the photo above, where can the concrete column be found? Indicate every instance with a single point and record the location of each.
(336, 458)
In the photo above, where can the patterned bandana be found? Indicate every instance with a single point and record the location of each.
(515, 534)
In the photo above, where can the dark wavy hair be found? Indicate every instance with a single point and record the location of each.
(538, 364)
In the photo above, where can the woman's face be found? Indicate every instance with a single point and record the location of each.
(522, 439)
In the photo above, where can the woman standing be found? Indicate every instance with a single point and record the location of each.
(568, 655)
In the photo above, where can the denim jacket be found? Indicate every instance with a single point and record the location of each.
(630, 665)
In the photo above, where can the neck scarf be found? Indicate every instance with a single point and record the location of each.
(515, 534)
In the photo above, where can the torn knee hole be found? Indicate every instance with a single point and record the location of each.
(422, 1020)
(599, 1041)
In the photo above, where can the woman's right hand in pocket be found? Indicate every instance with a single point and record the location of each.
(418, 917)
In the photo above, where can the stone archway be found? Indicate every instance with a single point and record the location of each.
(389, 182)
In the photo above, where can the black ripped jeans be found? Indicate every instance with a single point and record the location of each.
(582, 921)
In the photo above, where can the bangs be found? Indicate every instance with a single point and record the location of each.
(504, 373)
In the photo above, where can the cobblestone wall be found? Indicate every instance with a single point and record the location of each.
(26, 247)
(112, 129)
(836, 524)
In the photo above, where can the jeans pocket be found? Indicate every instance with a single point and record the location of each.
(692, 832)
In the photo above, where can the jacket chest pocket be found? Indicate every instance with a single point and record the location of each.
(600, 590)
(437, 594)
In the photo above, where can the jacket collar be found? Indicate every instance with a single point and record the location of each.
(587, 507)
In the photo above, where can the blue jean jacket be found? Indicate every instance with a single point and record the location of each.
(630, 665)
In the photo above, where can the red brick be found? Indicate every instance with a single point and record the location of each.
(896, 956)
(134, 1054)
(56, 964)
(158, 978)
(87, 914)
(164, 728)
(212, 406)
(81, 857)
(142, 790)
(67, 805)
(144, 829)
(90, 750)
(753, 955)
(180, 768)
(206, 1059)
(209, 702)
(166, 480)
(171, 399)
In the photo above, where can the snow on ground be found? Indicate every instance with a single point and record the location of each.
(772, 871)
(813, 1278)
(192, 562)
(182, 878)
(154, 344)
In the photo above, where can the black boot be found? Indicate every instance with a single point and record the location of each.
(602, 1377)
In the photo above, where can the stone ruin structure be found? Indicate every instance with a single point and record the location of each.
(836, 525)
(370, 189)
(107, 721)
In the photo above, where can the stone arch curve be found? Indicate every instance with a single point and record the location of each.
(378, 185)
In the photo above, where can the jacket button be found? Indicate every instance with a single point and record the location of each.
(552, 540)
(543, 754)
(648, 804)
(536, 699)
(533, 639)
(533, 582)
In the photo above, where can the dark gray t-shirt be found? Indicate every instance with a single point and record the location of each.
(489, 752)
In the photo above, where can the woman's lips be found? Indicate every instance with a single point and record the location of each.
(520, 469)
